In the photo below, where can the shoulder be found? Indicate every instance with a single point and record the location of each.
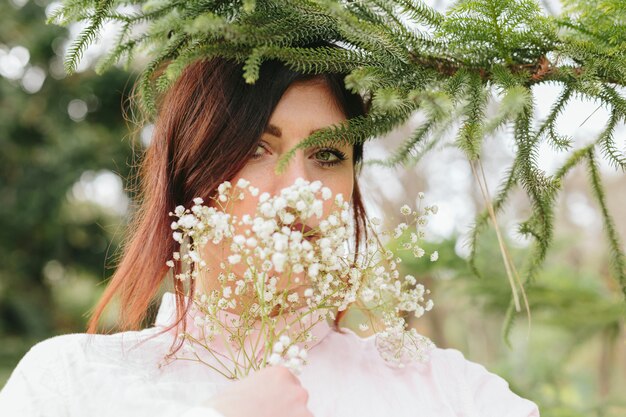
(87, 374)
(476, 388)
(60, 356)
(48, 352)
(448, 377)
(488, 393)
(75, 345)
(39, 379)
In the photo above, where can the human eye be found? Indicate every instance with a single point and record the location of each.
(261, 149)
(329, 156)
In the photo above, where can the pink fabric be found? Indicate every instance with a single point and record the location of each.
(119, 375)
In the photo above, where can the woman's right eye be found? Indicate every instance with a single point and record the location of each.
(260, 150)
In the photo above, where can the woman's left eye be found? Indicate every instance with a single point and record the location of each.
(329, 157)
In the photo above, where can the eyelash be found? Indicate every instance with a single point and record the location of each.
(341, 156)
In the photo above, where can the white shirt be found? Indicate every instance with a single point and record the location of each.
(119, 375)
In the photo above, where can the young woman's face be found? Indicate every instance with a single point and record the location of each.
(305, 106)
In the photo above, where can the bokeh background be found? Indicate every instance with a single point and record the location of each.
(66, 189)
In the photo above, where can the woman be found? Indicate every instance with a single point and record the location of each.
(213, 127)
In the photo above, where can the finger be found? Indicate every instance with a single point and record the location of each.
(285, 374)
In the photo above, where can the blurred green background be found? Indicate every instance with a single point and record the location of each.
(66, 155)
(64, 149)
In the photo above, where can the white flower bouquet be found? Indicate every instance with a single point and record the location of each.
(279, 276)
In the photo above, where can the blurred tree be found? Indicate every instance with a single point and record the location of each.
(62, 140)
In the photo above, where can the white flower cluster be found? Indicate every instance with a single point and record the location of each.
(202, 224)
(386, 292)
(292, 255)
(399, 346)
(287, 354)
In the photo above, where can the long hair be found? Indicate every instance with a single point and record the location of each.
(207, 127)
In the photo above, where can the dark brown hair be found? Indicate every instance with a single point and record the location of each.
(207, 128)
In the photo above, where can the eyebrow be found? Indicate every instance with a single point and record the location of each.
(276, 131)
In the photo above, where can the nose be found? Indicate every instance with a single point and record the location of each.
(296, 168)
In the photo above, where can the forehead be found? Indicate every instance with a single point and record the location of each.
(305, 106)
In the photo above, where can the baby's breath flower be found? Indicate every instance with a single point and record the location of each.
(278, 347)
(301, 206)
(315, 186)
(314, 270)
(274, 359)
(293, 351)
(279, 259)
(224, 187)
(227, 292)
(289, 218)
(434, 256)
(242, 183)
(193, 255)
(266, 265)
(317, 208)
(399, 230)
(272, 252)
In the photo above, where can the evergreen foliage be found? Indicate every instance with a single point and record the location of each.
(406, 57)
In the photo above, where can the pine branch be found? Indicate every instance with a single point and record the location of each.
(403, 56)
(548, 127)
(353, 131)
(318, 61)
(471, 132)
(607, 144)
(145, 82)
(515, 100)
(617, 258)
(88, 36)
(421, 13)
